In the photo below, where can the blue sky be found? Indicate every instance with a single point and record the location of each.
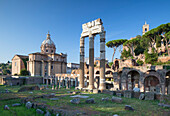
(25, 23)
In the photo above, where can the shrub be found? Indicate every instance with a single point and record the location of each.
(140, 62)
(5, 71)
(139, 50)
(110, 64)
(125, 54)
(24, 72)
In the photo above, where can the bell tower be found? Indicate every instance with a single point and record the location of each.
(145, 28)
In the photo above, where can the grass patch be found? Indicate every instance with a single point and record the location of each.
(102, 108)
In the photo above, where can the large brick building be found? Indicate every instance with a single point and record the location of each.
(19, 63)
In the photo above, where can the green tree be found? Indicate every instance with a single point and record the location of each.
(167, 40)
(162, 30)
(131, 44)
(126, 54)
(115, 44)
(151, 58)
(110, 64)
(5, 71)
(151, 36)
(158, 41)
(24, 72)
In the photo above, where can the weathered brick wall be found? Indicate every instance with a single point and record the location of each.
(34, 80)
(21, 81)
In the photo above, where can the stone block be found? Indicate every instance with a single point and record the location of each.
(142, 96)
(75, 101)
(158, 89)
(91, 101)
(128, 94)
(95, 91)
(149, 96)
(136, 94)
(157, 96)
(16, 104)
(119, 94)
(128, 107)
(117, 99)
(39, 111)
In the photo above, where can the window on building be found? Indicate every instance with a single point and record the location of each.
(52, 67)
(51, 51)
(46, 50)
(145, 29)
(15, 64)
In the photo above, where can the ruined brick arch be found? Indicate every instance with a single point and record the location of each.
(148, 71)
(133, 79)
(133, 70)
(151, 81)
(155, 74)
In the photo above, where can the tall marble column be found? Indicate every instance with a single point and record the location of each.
(53, 82)
(43, 68)
(163, 89)
(47, 81)
(102, 61)
(56, 83)
(59, 82)
(49, 68)
(69, 83)
(91, 61)
(81, 85)
(63, 82)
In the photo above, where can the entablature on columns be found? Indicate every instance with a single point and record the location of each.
(93, 28)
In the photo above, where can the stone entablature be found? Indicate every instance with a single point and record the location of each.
(95, 27)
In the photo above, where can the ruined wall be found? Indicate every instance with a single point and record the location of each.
(164, 59)
(34, 80)
(21, 80)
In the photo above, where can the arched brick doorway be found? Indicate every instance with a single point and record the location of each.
(151, 84)
(133, 79)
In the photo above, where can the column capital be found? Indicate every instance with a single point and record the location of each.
(91, 35)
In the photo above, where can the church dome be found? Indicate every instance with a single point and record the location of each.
(48, 45)
(48, 40)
